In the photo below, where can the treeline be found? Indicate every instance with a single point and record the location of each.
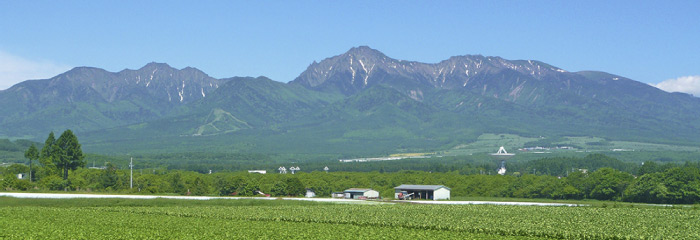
(477, 164)
(13, 151)
(56, 159)
(193, 161)
(659, 184)
(59, 164)
(18, 145)
(562, 166)
(554, 166)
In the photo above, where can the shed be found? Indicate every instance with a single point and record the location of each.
(360, 193)
(337, 194)
(432, 192)
(310, 193)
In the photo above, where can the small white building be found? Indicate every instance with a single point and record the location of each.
(258, 171)
(310, 193)
(431, 192)
(361, 193)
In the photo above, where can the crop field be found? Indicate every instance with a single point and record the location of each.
(218, 219)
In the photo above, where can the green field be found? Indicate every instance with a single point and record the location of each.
(258, 219)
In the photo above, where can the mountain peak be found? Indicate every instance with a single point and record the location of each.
(350, 71)
(81, 71)
(365, 51)
(155, 65)
(362, 67)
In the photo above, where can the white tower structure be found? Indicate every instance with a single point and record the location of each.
(502, 154)
(326, 169)
(283, 170)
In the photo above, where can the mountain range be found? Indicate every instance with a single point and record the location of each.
(359, 102)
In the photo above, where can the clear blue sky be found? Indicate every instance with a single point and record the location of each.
(649, 41)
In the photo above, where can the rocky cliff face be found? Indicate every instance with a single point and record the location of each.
(522, 81)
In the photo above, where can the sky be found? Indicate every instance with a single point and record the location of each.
(655, 42)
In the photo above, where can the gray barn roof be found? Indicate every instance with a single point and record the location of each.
(420, 187)
(359, 190)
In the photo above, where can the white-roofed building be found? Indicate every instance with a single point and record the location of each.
(361, 193)
(431, 192)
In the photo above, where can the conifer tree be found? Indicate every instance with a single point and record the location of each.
(47, 154)
(68, 154)
(32, 154)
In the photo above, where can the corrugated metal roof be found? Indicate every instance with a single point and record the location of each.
(420, 187)
(358, 190)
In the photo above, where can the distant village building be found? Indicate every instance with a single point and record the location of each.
(310, 193)
(431, 192)
(361, 193)
(258, 171)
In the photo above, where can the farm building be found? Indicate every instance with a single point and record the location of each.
(432, 192)
(310, 193)
(360, 193)
(337, 194)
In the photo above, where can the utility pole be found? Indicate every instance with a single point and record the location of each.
(131, 166)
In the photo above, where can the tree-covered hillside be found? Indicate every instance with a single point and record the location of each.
(359, 103)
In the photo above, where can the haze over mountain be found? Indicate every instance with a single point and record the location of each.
(360, 100)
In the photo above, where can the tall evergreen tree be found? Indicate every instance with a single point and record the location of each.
(109, 177)
(68, 153)
(32, 154)
(47, 155)
(47, 151)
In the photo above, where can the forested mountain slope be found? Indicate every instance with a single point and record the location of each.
(86, 98)
(359, 101)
